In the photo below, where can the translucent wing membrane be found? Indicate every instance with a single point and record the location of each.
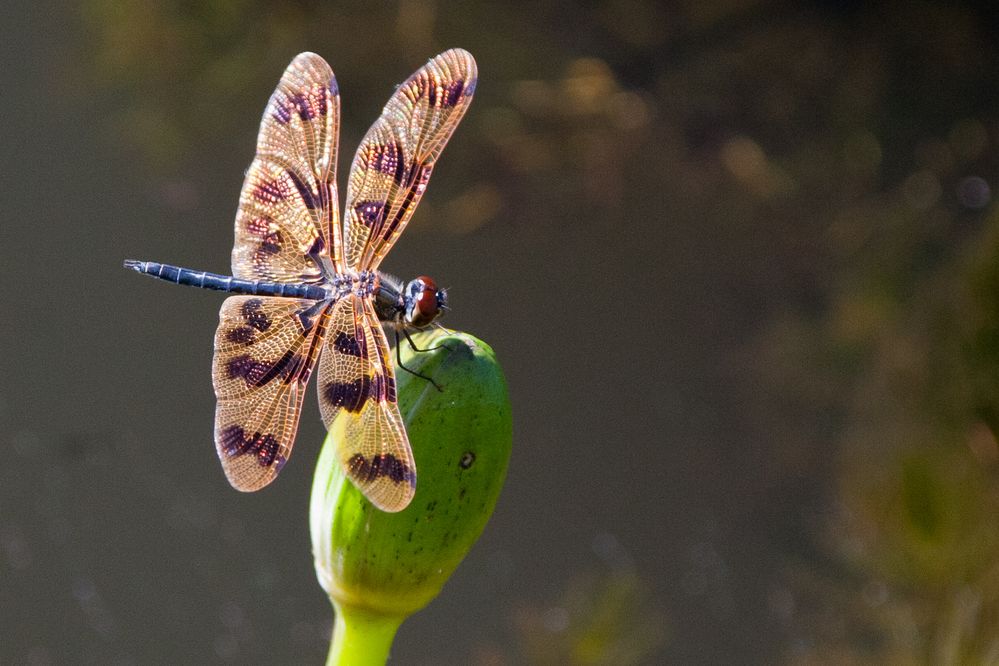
(357, 398)
(288, 204)
(265, 349)
(393, 163)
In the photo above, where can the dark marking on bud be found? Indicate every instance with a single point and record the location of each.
(334, 88)
(369, 212)
(467, 460)
(253, 314)
(470, 86)
(382, 465)
(235, 442)
(242, 335)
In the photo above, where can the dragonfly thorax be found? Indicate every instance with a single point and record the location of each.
(417, 303)
(362, 284)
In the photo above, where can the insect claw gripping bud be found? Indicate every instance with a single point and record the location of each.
(377, 567)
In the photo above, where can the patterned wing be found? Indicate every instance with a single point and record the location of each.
(265, 349)
(393, 163)
(287, 220)
(357, 399)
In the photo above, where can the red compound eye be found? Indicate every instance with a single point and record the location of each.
(425, 302)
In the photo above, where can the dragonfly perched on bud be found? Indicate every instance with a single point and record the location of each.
(310, 288)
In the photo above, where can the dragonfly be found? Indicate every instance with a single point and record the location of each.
(309, 288)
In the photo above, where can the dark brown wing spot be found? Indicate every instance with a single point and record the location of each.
(386, 159)
(270, 191)
(271, 244)
(312, 200)
(254, 315)
(307, 104)
(446, 95)
(247, 368)
(242, 335)
(317, 248)
(352, 396)
(280, 110)
(381, 465)
(349, 395)
(235, 442)
(287, 368)
(369, 212)
(311, 104)
(258, 373)
(349, 345)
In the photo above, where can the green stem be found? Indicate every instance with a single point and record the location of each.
(361, 638)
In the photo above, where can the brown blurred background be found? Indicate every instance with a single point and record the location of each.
(738, 259)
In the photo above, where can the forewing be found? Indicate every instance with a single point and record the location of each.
(357, 398)
(265, 349)
(393, 163)
(287, 218)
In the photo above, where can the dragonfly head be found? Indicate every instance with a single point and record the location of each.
(424, 302)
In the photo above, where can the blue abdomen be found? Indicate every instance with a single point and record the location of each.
(227, 282)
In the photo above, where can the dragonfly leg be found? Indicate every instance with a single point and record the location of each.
(398, 357)
(412, 344)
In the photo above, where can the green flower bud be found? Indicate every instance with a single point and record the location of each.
(378, 568)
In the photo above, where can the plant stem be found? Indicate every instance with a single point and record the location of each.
(361, 638)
